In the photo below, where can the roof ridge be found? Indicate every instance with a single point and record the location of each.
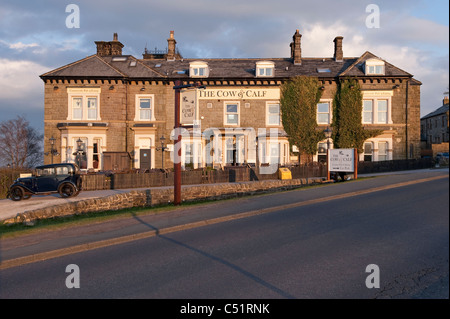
(355, 63)
(67, 65)
(146, 66)
(112, 67)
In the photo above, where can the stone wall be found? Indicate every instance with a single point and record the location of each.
(159, 196)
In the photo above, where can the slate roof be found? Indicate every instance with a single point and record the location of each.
(442, 110)
(128, 66)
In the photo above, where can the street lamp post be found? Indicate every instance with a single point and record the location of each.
(328, 133)
(162, 149)
(53, 150)
(79, 153)
(52, 143)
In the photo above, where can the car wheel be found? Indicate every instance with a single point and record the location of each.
(67, 190)
(16, 193)
(27, 196)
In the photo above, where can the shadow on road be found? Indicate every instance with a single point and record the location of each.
(218, 259)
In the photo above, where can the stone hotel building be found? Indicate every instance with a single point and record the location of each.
(110, 107)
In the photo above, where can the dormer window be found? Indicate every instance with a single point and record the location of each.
(265, 68)
(198, 69)
(374, 67)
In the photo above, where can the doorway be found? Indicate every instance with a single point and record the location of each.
(145, 159)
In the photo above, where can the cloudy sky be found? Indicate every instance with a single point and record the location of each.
(34, 37)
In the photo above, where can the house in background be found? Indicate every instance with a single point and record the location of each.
(434, 130)
(109, 105)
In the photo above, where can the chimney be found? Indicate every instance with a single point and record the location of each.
(171, 47)
(113, 47)
(445, 101)
(296, 50)
(338, 52)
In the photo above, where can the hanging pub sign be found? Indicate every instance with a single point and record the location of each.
(188, 107)
(341, 160)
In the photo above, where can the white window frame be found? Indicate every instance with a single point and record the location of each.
(137, 116)
(225, 104)
(330, 111)
(374, 67)
(375, 150)
(198, 69)
(371, 112)
(73, 94)
(379, 154)
(268, 104)
(371, 153)
(375, 97)
(265, 69)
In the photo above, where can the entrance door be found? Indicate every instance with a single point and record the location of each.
(145, 159)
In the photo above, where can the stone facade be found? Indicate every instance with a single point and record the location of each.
(101, 102)
(435, 129)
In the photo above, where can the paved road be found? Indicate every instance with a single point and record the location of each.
(319, 250)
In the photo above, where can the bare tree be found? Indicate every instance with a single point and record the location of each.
(20, 144)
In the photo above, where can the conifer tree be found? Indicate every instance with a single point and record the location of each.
(348, 131)
(299, 98)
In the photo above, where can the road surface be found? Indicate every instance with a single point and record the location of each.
(318, 249)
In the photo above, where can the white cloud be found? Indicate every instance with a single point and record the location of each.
(20, 79)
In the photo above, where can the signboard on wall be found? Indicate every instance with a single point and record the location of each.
(341, 160)
(188, 107)
(239, 93)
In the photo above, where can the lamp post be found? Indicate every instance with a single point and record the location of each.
(328, 133)
(79, 152)
(53, 150)
(52, 143)
(162, 149)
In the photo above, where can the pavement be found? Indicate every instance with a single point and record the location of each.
(9, 208)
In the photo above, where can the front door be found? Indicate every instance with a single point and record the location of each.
(145, 159)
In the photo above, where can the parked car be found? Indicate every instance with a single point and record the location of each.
(64, 179)
(442, 158)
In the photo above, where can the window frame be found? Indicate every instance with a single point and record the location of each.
(377, 96)
(268, 114)
(371, 154)
(374, 64)
(364, 112)
(138, 98)
(225, 113)
(330, 111)
(84, 108)
(386, 154)
(262, 68)
(196, 67)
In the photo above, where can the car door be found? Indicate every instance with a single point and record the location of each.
(46, 180)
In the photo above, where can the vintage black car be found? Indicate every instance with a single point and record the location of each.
(64, 179)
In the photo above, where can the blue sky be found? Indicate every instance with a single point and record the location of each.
(34, 39)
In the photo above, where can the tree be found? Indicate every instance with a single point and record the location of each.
(299, 98)
(348, 131)
(20, 144)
